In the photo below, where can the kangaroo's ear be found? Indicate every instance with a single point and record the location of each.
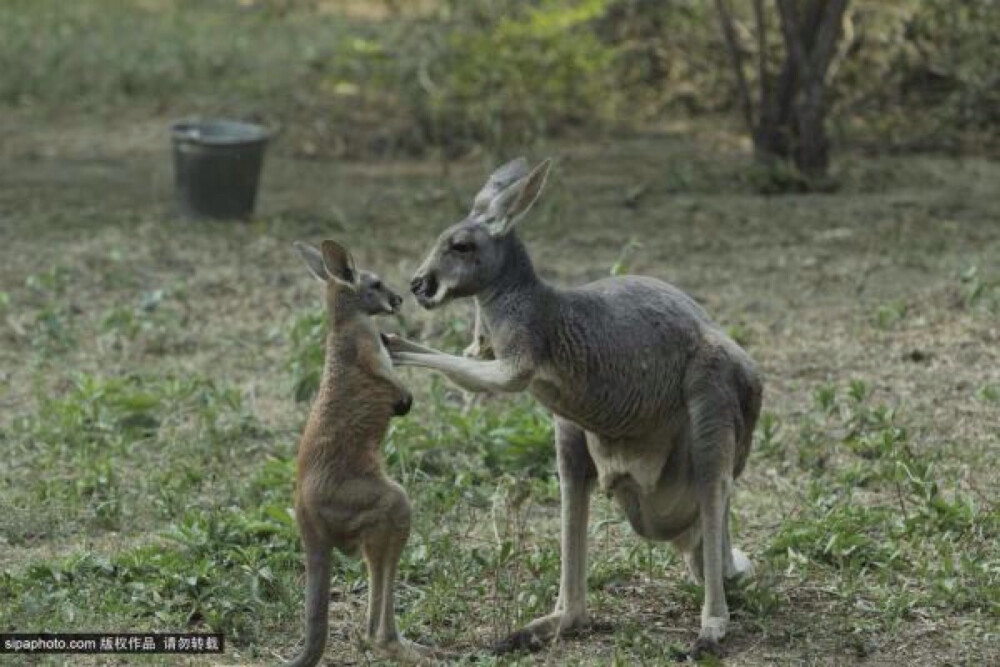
(313, 259)
(508, 207)
(338, 262)
(500, 180)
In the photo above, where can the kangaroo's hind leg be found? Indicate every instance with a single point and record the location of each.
(382, 544)
(577, 476)
(712, 412)
(317, 596)
(721, 412)
(736, 564)
(713, 491)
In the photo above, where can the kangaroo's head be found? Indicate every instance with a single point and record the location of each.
(347, 289)
(473, 254)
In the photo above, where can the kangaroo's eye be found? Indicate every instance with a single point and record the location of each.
(376, 284)
(463, 246)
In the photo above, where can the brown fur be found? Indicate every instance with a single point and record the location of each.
(343, 498)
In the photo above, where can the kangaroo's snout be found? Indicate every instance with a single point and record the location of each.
(403, 405)
(395, 301)
(424, 287)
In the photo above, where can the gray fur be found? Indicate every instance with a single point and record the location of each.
(651, 398)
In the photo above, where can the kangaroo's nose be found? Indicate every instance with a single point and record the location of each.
(424, 285)
(395, 301)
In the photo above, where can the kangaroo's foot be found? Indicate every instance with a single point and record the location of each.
(739, 568)
(709, 642)
(541, 631)
(704, 647)
(403, 650)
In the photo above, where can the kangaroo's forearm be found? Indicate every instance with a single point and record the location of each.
(471, 374)
(409, 346)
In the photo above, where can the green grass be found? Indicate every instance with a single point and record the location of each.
(165, 460)
(232, 561)
(918, 550)
(145, 489)
(149, 466)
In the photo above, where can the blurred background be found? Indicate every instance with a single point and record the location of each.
(821, 174)
(418, 78)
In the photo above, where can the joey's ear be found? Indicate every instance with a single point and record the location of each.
(338, 262)
(499, 180)
(511, 204)
(313, 259)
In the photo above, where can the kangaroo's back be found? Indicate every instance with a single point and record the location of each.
(610, 355)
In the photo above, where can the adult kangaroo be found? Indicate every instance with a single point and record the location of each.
(651, 400)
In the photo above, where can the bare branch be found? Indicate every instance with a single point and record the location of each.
(844, 46)
(736, 58)
(791, 28)
(825, 45)
(765, 81)
(813, 62)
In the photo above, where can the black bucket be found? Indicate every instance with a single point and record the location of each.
(217, 167)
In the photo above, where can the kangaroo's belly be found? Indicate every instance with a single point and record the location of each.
(616, 414)
(650, 480)
(662, 514)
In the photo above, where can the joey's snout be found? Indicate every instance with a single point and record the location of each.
(395, 301)
(403, 405)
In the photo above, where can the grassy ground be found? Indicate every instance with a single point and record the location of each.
(149, 368)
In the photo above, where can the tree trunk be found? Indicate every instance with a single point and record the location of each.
(810, 43)
(812, 152)
(774, 136)
(789, 123)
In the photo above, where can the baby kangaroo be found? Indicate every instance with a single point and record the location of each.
(343, 497)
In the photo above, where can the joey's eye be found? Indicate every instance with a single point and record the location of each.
(463, 246)
(376, 284)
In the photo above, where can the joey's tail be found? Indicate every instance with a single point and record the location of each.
(317, 607)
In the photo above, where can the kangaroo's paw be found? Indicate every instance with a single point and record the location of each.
(479, 348)
(541, 631)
